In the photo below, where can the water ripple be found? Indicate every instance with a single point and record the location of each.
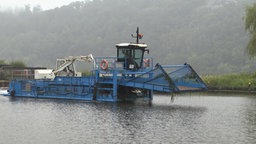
(189, 119)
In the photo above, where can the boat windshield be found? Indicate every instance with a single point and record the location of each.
(131, 56)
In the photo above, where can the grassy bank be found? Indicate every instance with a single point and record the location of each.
(243, 81)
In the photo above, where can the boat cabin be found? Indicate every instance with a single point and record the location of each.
(131, 54)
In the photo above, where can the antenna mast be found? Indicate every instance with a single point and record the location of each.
(138, 35)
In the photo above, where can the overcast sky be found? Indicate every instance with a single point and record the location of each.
(45, 4)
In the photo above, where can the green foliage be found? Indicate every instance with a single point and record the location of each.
(18, 64)
(250, 25)
(86, 73)
(2, 62)
(243, 80)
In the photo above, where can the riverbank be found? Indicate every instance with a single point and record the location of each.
(242, 83)
(231, 91)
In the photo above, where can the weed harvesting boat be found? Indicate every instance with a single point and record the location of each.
(128, 76)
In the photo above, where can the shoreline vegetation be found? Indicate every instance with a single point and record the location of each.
(240, 83)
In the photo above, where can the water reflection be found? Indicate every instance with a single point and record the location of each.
(189, 119)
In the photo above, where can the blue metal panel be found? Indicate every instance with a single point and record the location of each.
(185, 78)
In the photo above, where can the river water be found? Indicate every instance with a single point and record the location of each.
(199, 118)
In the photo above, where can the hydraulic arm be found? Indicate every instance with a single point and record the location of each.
(65, 66)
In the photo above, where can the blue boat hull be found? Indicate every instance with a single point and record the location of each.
(73, 88)
(112, 85)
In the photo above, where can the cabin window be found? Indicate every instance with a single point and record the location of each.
(123, 54)
(132, 56)
(138, 55)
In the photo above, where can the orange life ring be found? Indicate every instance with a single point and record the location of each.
(104, 64)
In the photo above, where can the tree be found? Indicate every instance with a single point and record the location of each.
(18, 64)
(250, 26)
(208, 34)
(2, 62)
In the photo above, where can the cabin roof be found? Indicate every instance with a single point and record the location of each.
(142, 45)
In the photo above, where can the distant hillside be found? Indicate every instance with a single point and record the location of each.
(208, 34)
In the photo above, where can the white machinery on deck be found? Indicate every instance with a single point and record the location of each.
(64, 67)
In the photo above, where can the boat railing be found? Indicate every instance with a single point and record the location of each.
(107, 64)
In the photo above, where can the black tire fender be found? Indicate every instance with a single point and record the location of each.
(12, 93)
